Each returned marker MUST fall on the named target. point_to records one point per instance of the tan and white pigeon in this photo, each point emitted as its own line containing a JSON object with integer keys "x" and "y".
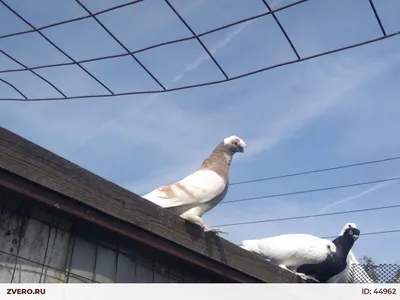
{"x": 202, "y": 190}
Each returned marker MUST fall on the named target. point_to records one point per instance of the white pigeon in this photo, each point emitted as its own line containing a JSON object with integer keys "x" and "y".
{"x": 290, "y": 251}
{"x": 202, "y": 190}
{"x": 354, "y": 272}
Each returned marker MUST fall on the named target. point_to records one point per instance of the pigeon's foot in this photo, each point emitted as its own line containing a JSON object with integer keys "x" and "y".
{"x": 193, "y": 219}
{"x": 305, "y": 277}
{"x": 197, "y": 220}
{"x": 301, "y": 275}
{"x": 284, "y": 267}
{"x": 215, "y": 230}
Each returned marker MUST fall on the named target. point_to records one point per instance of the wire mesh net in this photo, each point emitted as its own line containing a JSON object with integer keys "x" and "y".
{"x": 224, "y": 75}
{"x": 374, "y": 273}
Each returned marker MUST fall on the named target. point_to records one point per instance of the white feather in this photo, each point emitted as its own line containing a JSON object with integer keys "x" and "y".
{"x": 204, "y": 186}
{"x": 291, "y": 250}
{"x": 229, "y": 140}
{"x": 353, "y": 272}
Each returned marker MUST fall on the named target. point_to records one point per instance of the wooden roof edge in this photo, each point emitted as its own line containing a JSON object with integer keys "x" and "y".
{"x": 50, "y": 179}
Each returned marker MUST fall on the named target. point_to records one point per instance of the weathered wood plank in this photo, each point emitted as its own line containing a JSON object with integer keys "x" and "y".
{"x": 23, "y": 158}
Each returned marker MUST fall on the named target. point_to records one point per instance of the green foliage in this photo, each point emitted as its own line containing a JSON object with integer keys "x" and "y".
{"x": 370, "y": 267}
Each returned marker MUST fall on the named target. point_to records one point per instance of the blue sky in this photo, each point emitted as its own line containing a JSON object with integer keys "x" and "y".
{"x": 329, "y": 111}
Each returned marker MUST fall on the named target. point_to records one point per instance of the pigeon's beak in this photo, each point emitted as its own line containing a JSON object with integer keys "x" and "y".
{"x": 241, "y": 147}
{"x": 356, "y": 233}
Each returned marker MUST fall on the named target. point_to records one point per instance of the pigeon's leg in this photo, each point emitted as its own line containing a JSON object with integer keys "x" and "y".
{"x": 194, "y": 219}
{"x": 197, "y": 220}
{"x": 284, "y": 267}
{"x": 302, "y": 275}
{"x": 305, "y": 277}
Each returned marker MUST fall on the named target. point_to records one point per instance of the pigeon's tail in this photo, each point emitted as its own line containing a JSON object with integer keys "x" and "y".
{"x": 250, "y": 245}
{"x": 242, "y": 246}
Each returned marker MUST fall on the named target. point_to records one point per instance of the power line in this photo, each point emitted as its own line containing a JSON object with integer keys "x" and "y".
{"x": 317, "y": 170}
{"x": 367, "y": 233}
{"x": 310, "y": 216}
{"x": 311, "y": 191}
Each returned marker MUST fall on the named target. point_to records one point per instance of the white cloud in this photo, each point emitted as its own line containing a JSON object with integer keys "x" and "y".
{"x": 359, "y": 195}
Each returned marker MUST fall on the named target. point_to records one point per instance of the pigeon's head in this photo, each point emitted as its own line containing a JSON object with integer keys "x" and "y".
{"x": 331, "y": 247}
{"x": 352, "y": 231}
{"x": 234, "y": 144}
{"x": 347, "y": 226}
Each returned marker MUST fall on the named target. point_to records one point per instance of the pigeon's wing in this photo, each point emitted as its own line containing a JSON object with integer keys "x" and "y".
{"x": 199, "y": 187}
{"x": 287, "y": 249}
{"x": 273, "y": 249}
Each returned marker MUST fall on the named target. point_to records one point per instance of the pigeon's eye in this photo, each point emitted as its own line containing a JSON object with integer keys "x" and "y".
{"x": 329, "y": 246}
{"x": 351, "y": 232}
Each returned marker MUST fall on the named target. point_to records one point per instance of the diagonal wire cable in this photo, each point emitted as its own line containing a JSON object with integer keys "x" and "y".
{"x": 14, "y": 88}
{"x": 197, "y": 38}
{"x": 55, "y": 46}
{"x": 309, "y": 216}
{"x": 121, "y": 44}
{"x": 371, "y": 2}
{"x": 33, "y": 72}
{"x": 69, "y": 20}
{"x": 216, "y": 81}
{"x": 318, "y": 170}
{"x": 148, "y": 47}
{"x": 282, "y": 29}
{"x": 367, "y": 233}
{"x": 311, "y": 190}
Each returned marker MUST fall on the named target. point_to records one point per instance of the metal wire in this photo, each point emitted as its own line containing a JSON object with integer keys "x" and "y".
{"x": 56, "y": 47}
{"x": 317, "y": 171}
{"x": 371, "y": 2}
{"x": 375, "y": 273}
{"x": 343, "y": 186}
{"x": 309, "y": 216}
{"x": 367, "y": 233}
{"x": 110, "y": 93}
{"x": 196, "y": 37}
{"x": 14, "y": 88}
{"x": 120, "y": 43}
{"x": 33, "y": 72}
{"x": 282, "y": 29}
